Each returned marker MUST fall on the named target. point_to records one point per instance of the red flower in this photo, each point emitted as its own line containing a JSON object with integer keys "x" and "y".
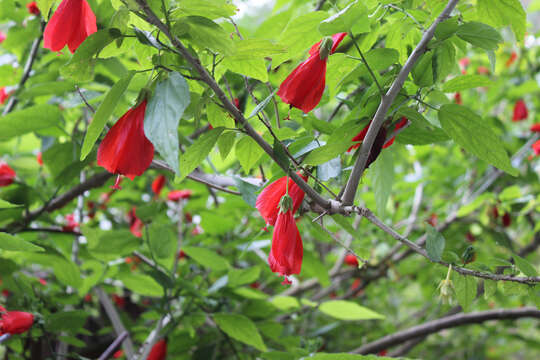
{"x": 7, "y": 174}
{"x": 125, "y": 149}
{"x": 39, "y": 158}
{"x": 72, "y": 22}
{"x": 71, "y": 225}
{"x": 255, "y": 285}
{"x": 287, "y": 250}
{"x": 482, "y": 70}
{"x": 3, "y": 94}
{"x": 176, "y": 195}
{"x": 119, "y": 300}
{"x": 303, "y": 88}
{"x": 470, "y": 237}
{"x": 536, "y": 147}
{"x": 382, "y": 353}
{"x": 351, "y": 260}
{"x": 506, "y": 220}
{"x": 197, "y": 230}
{"x": 236, "y": 103}
{"x": 433, "y": 220}
{"x": 33, "y": 8}
{"x": 535, "y": 127}
{"x": 15, "y": 322}
{"x": 135, "y": 224}
{"x": 399, "y": 125}
{"x": 359, "y": 137}
{"x": 495, "y": 212}
{"x": 181, "y": 255}
{"x": 88, "y": 297}
{"x": 520, "y": 111}
{"x": 3, "y": 37}
{"x": 463, "y": 63}
{"x": 159, "y": 351}
{"x": 512, "y": 59}
{"x": 457, "y": 98}
{"x": 118, "y": 354}
{"x": 157, "y": 184}
{"x": 268, "y": 200}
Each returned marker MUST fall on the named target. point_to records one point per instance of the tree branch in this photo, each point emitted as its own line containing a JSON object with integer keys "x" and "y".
{"x": 434, "y": 326}
{"x": 386, "y": 102}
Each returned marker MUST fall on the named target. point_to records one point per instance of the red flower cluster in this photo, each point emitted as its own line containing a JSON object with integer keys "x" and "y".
{"x": 15, "y": 322}
{"x": 7, "y": 174}
{"x": 72, "y": 22}
{"x": 125, "y": 149}
{"x": 520, "y": 111}
{"x": 33, "y": 8}
{"x": 177, "y": 195}
{"x": 277, "y": 207}
{"x": 304, "y": 87}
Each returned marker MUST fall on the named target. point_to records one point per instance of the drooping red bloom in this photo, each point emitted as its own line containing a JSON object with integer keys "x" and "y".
{"x": 506, "y": 220}
{"x": 457, "y": 98}
{"x": 181, "y": 255}
{"x": 71, "y": 225}
{"x": 15, "y": 322}
{"x": 135, "y": 224}
{"x": 285, "y": 257}
{"x": 268, "y": 200}
{"x": 119, "y": 301}
{"x": 482, "y": 70}
{"x": 39, "y": 158}
{"x": 158, "y": 184}
{"x": 42, "y": 281}
{"x": 88, "y": 297}
{"x": 236, "y": 103}
{"x": 535, "y": 127}
{"x": 159, "y": 350}
{"x": 304, "y": 86}
{"x": 33, "y": 8}
{"x": 3, "y": 94}
{"x": 382, "y": 353}
{"x": 72, "y": 22}
{"x": 520, "y": 111}
{"x": 536, "y": 147}
{"x": 433, "y": 220}
{"x": 176, "y": 195}
{"x": 399, "y": 125}
{"x": 377, "y": 146}
{"x": 351, "y": 260}
{"x": 125, "y": 149}
{"x": 511, "y": 59}
{"x": 359, "y": 138}
{"x": 3, "y": 37}
{"x": 7, "y": 174}
{"x": 118, "y": 354}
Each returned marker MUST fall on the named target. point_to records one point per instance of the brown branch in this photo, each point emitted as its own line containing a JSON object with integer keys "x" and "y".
{"x": 435, "y": 326}
{"x": 386, "y": 102}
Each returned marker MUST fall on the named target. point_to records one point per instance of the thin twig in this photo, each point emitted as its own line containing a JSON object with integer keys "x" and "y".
{"x": 113, "y": 346}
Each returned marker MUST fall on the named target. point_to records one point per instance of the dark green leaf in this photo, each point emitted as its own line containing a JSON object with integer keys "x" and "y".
{"x": 198, "y": 151}
{"x": 262, "y": 104}
{"x": 465, "y": 290}
{"x": 422, "y": 72}
{"x": 446, "y": 28}
{"x": 240, "y": 328}
{"x": 70, "y": 321}
{"x": 30, "y": 119}
{"x": 480, "y": 35}
{"x": 435, "y": 243}
{"x": 525, "y": 266}
{"x": 162, "y": 116}
{"x": 14, "y": 243}
{"x": 355, "y": 14}
{"x": 161, "y": 240}
{"x": 248, "y": 191}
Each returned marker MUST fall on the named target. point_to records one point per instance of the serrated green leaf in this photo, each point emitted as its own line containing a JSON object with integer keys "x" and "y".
{"x": 217, "y": 117}
{"x": 248, "y": 152}
{"x": 465, "y": 287}
{"x": 468, "y": 130}
{"x": 464, "y": 82}
{"x": 501, "y": 13}
{"x": 326, "y": 153}
{"x": 435, "y": 243}
{"x": 480, "y": 35}
{"x": 225, "y": 143}
{"x": 103, "y": 113}
{"x": 163, "y": 113}
{"x": 422, "y": 72}
{"x": 525, "y": 266}
{"x": 240, "y": 328}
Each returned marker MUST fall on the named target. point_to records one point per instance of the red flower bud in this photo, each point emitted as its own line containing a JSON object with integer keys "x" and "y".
{"x": 535, "y": 127}
{"x": 135, "y": 224}
{"x": 15, "y": 322}
{"x": 118, "y": 354}
{"x": 2, "y": 38}
{"x": 33, "y": 8}
{"x": 511, "y": 59}
{"x": 159, "y": 351}
{"x": 72, "y": 22}
{"x": 506, "y": 220}
{"x": 158, "y": 184}
{"x": 457, "y": 98}
{"x": 520, "y": 111}
{"x": 536, "y": 147}
{"x": 177, "y": 195}
{"x": 351, "y": 260}
{"x": 433, "y": 220}
{"x": 7, "y": 174}
{"x": 39, "y": 158}
{"x": 287, "y": 249}
{"x": 3, "y": 94}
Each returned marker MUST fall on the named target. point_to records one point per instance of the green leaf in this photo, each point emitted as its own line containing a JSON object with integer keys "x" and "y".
{"x": 240, "y": 328}
{"x": 468, "y": 130}
{"x": 435, "y": 243}
{"x": 198, "y": 151}
{"x": 14, "y": 243}
{"x": 113, "y": 244}
{"x": 249, "y": 58}
{"x": 44, "y": 6}
{"x": 48, "y": 88}
{"x": 444, "y": 59}
{"x": 7, "y": 205}
{"x": 161, "y": 240}
{"x": 262, "y": 104}
{"x": 67, "y": 272}
{"x": 480, "y": 35}
{"x": 27, "y": 120}
{"x": 501, "y": 13}
{"x": 345, "y": 356}
{"x": 225, "y": 143}
{"x": 247, "y": 190}
{"x": 420, "y": 131}
{"x": 207, "y": 258}
{"x": 81, "y": 66}
{"x": 464, "y": 82}
{"x": 525, "y": 266}
{"x": 348, "y": 310}
{"x": 313, "y": 267}
{"x": 382, "y": 178}
{"x": 422, "y": 72}
{"x": 217, "y": 117}
{"x": 103, "y": 113}
{"x": 446, "y": 28}
{"x": 490, "y": 287}
{"x": 326, "y": 153}
{"x": 162, "y": 116}
{"x": 465, "y": 287}
{"x": 142, "y": 284}
{"x": 206, "y": 34}
{"x": 67, "y": 320}
{"x": 248, "y": 152}
{"x": 239, "y": 277}
{"x": 353, "y": 15}
{"x": 211, "y": 9}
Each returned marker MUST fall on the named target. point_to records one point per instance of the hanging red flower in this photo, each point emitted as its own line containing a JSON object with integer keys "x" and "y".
{"x": 39, "y": 158}
{"x": 536, "y": 147}
{"x": 351, "y": 260}
{"x": 399, "y": 125}
{"x": 4, "y": 95}
{"x": 15, "y": 322}
{"x": 158, "y": 184}
{"x": 176, "y": 195}
{"x": 285, "y": 257}
{"x": 159, "y": 351}
{"x": 125, "y": 149}
{"x": 506, "y": 220}
{"x": 3, "y": 37}
{"x": 72, "y": 22}
{"x": 359, "y": 138}
{"x": 135, "y": 224}
{"x": 535, "y": 127}
{"x": 520, "y": 111}
{"x": 7, "y": 174}
{"x": 304, "y": 87}
{"x": 457, "y": 98}
{"x": 511, "y": 59}
{"x": 71, "y": 225}
{"x": 33, "y": 8}
{"x": 268, "y": 200}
